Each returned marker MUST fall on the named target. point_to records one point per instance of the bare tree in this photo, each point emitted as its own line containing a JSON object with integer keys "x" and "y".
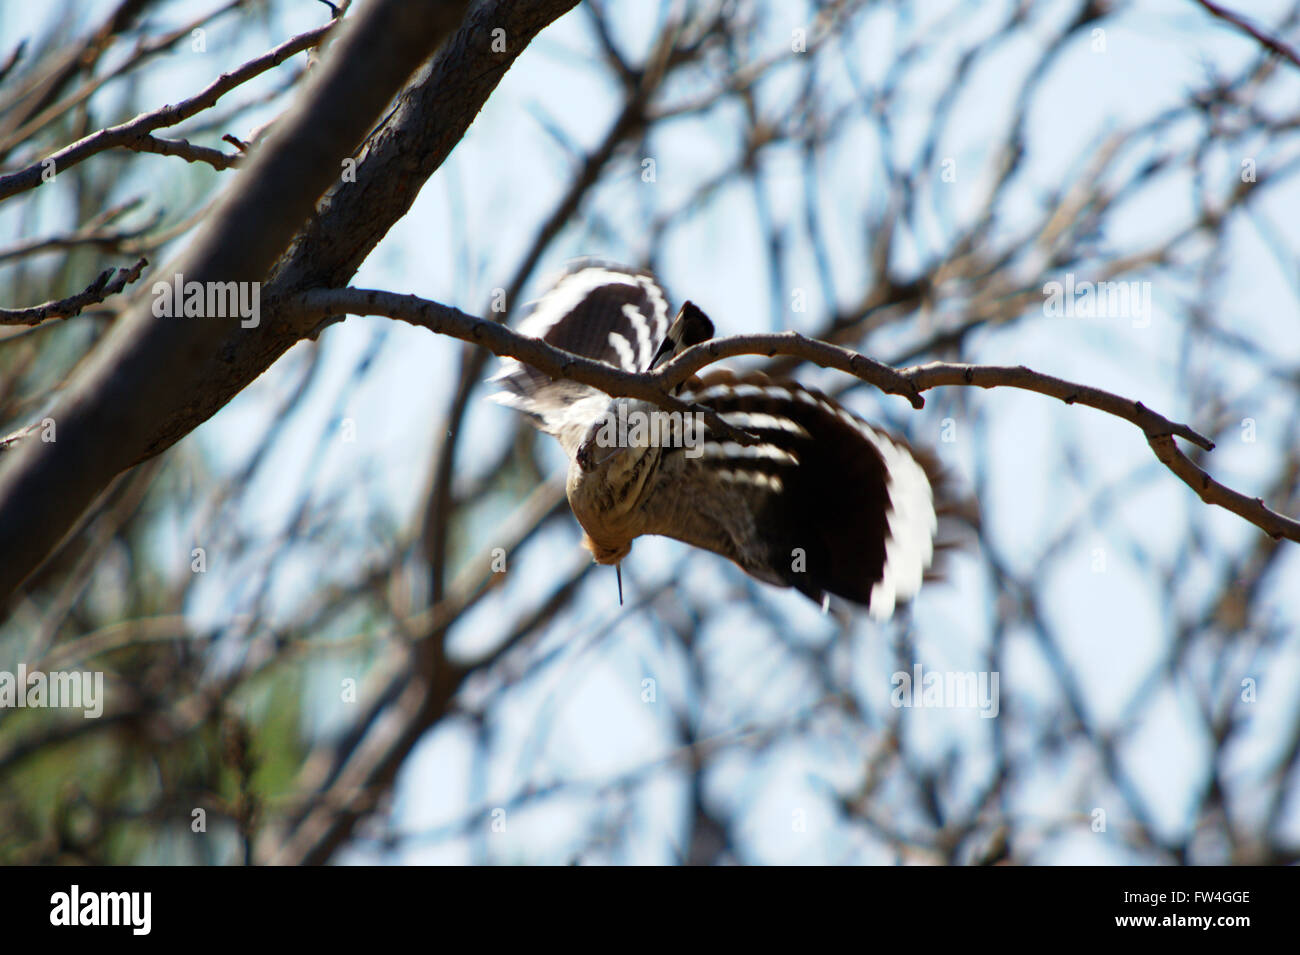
{"x": 285, "y": 647}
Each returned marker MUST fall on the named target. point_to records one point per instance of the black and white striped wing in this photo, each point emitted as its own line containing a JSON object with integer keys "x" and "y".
{"x": 826, "y": 503}
{"x": 605, "y": 312}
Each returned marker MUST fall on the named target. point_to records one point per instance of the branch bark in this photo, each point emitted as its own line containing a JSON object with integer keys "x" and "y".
{"x": 145, "y": 375}
{"x": 109, "y": 282}
{"x": 136, "y": 134}
{"x": 908, "y": 382}
{"x": 1245, "y": 26}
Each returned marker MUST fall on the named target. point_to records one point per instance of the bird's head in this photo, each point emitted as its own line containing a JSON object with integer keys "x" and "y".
{"x": 611, "y": 473}
{"x": 616, "y": 444}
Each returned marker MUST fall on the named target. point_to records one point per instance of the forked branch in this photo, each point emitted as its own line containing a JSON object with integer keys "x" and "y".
{"x": 324, "y": 305}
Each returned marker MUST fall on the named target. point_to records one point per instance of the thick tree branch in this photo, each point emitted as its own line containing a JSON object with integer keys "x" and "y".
{"x": 192, "y": 369}
{"x": 148, "y": 368}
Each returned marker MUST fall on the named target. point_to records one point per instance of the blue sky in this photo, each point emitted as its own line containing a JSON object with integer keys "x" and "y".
{"x": 582, "y": 718}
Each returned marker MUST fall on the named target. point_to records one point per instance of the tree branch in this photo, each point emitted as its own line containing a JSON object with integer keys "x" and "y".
{"x": 909, "y": 382}
{"x": 135, "y": 134}
{"x": 332, "y": 304}
{"x": 95, "y": 292}
{"x": 145, "y": 371}
{"x": 94, "y": 233}
{"x": 185, "y": 150}
{"x": 1241, "y": 23}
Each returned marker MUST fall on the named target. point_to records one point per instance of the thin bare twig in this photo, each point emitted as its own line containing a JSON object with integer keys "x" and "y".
{"x": 184, "y": 149}
{"x": 93, "y": 233}
{"x": 134, "y": 133}
{"x": 1241, "y": 23}
{"x": 104, "y": 286}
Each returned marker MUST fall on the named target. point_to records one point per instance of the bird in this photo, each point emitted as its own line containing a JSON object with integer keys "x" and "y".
{"x": 823, "y": 501}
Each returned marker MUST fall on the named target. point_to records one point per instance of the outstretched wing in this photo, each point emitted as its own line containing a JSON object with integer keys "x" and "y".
{"x": 826, "y": 503}
{"x": 606, "y": 312}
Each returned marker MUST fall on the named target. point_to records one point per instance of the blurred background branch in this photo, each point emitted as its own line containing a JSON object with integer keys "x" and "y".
{"x": 347, "y": 617}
